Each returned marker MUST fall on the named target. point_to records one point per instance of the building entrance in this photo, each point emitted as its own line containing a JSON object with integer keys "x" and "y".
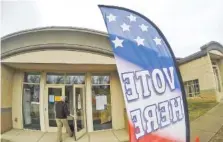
{"x": 75, "y": 99}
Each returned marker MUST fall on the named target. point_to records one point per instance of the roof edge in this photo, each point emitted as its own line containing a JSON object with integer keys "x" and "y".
{"x": 204, "y": 47}
{"x": 203, "y": 51}
{"x": 54, "y": 28}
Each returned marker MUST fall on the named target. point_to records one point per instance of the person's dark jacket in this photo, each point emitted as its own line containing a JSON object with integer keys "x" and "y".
{"x": 61, "y": 110}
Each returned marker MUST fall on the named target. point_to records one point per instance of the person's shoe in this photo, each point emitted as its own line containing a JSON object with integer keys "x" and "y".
{"x": 72, "y": 135}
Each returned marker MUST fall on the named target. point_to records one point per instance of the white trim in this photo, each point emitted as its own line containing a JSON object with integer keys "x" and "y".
{"x": 48, "y": 128}
{"x": 31, "y": 83}
{"x": 101, "y": 84}
{"x": 55, "y": 28}
{"x": 79, "y": 134}
{"x": 89, "y": 103}
{"x": 42, "y": 102}
{"x": 21, "y": 96}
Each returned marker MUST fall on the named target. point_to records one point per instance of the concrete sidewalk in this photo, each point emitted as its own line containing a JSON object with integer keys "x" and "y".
{"x": 206, "y": 126}
{"x": 38, "y": 136}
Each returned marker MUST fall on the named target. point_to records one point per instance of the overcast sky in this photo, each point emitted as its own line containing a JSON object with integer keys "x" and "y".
{"x": 187, "y": 24}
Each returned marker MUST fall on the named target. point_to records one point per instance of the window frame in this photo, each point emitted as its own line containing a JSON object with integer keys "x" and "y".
{"x": 74, "y": 74}
{"x": 92, "y": 85}
{"x": 102, "y": 74}
{"x": 194, "y": 86}
{"x": 65, "y": 77}
{"x": 23, "y": 81}
{"x": 28, "y": 83}
{"x": 32, "y": 103}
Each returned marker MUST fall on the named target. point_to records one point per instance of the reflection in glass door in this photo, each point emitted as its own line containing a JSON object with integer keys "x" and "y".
{"x": 79, "y": 111}
{"x": 30, "y": 100}
{"x": 31, "y": 106}
{"x": 70, "y": 104}
{"x": 53, "y": 94}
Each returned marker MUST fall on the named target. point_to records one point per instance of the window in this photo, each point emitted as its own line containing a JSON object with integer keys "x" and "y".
{"x": 62, "y": 78}
{"x": 192, "y": 88}
{"x": 31, "y": 78}
{"x": 75, "y": 79}
{"x": 103, "y": 80}
{"x": 101, "y": 102}
{"x": 31, "y": 89}
{"x": 55, "y": 78}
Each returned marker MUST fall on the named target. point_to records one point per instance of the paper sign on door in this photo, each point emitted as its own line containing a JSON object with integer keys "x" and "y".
{"x": 51, "y": 98}
{"x": 101, "y": 101}
{"x": 99, "y": 104}
{"x": 57, "y": 98}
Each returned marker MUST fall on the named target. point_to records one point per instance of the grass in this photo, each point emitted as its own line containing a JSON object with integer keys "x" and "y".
{"x": 197, "y": 107}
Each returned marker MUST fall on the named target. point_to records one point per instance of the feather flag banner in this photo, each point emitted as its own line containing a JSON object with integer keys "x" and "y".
{"x": 151, "y": 82}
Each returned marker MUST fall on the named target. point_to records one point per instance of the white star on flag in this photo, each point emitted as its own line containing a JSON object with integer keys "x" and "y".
{"x": 118, "y": 42}
{"x": 139, "y": 41}
{"x": 132, "y": 18}
{"x": 125, "y": 27}
{"x": 144, "y": 28}
{"x": 111, "y": 17}
{"x": 157, "y": 40}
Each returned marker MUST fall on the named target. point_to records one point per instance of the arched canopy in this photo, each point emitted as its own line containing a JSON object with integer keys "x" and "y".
{"x": 58, "y": 48}
{"x": 56, "y": 38}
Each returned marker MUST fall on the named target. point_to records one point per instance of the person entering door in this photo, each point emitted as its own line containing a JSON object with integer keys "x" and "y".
{"x": 61, "y": 118}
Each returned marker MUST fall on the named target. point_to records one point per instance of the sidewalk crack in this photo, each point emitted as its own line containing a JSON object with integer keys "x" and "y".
{"x": 41, "y": 137}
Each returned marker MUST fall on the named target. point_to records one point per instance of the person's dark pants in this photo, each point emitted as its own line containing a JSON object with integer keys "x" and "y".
{"x": 60, "y": 124}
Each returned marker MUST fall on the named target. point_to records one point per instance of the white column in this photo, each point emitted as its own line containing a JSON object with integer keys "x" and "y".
{"x": 17, "y": 92}
{"x": 117, "y": 103}
{"x": 89, "y": 103}
{"x": 42, "y": 101}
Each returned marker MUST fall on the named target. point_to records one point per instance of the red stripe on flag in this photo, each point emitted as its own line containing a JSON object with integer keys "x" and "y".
{"x": 147, "y": 138}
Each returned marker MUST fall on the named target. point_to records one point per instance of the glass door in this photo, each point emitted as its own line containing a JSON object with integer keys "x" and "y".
{"x": 79, "y": 111}
{"x": 53, "y": 95}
